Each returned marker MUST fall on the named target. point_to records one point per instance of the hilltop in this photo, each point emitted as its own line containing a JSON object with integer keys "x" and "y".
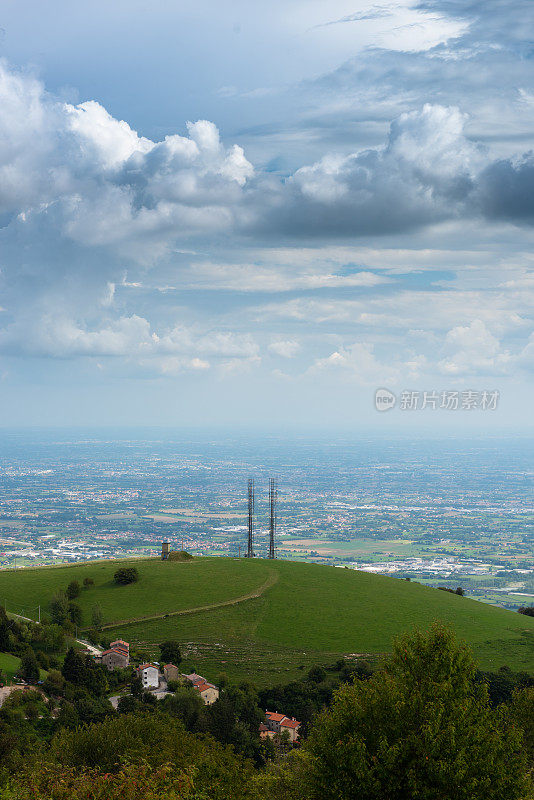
{"x": 266, "y": 619}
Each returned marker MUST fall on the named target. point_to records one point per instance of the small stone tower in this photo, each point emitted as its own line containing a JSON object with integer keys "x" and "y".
{"x": 164, "y": 551}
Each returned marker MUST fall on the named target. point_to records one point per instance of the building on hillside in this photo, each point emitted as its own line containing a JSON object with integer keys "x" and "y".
{"x": 120, "y": 643}
{"x": 172, "y": 673}
{"x": 117, "y": 656}
{"x": 192, "y": 677}
{"x": 208, "y": 691}
{"x": 149, "y": 675}
{"x": 291, "y": 726}
{"x": 265, "y": 733}
{"x": 115, "y": 659}
{"x": 278, "y": 723}
{"x": 273, "y": 720}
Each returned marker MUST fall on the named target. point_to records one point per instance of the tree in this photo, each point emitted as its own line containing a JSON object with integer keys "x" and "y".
{"x": 170, "y": 653}
{"x": 127, "y": 703}
{"x": 42, "y": 659}
{"x": 73, "y": 590}
{"x": 187, "y": 705}
{"x": 522, "y": 713}
{"x": 156, "y": 740}
{"x": 59, "y": 608}
{"x": 29, "y": 668}
{"x": 317, "y": 674}
{"x": 74, "y": 669}
{"x": 5, "y": 630}
{"x": 95, "y": 678}
{"x": 421, "y": 728}
{"x": 53, "y": 638}
{"x": 54, "y": 683}
{"x": 527, "y": 610}
{"x": 126, "y": 575}
{"x": 97, "y": 617}
{"x": 75, "y": 613}
{"x": 222, "y": 680}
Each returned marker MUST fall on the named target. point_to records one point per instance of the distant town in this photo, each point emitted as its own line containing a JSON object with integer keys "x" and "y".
{"x": 353, "y": 507}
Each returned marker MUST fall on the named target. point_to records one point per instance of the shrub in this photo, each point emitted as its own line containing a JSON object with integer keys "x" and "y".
{"x": 126, "y": 575}
{"x": 54, "y": 683}
{"x": 87, "y": 582}
{"x": 132, "y": 782}
{"x": 317, "y": 674}
{"x": 131, "y": 738}
{"x": 179, "y": 555}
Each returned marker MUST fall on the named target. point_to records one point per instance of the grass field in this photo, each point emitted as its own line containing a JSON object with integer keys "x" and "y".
{"x": 306, "y": 614}
{"x": 9, "y": 665}
{"x": 164, "y": 586}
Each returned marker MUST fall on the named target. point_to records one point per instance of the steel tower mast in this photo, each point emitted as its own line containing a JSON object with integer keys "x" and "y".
{"x": 250, "y": 548}
{"x": 273, "y": 497}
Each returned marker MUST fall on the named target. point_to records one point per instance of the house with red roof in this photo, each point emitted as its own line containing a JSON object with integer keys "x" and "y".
{"x": 117, "y": 656}
{"x": 149, "y": 675}
{"x": 278, "y": 723}
{"x": 208, "y": 691}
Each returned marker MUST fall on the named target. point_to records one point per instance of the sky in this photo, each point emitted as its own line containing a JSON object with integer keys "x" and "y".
{"x": 257, "y": 214}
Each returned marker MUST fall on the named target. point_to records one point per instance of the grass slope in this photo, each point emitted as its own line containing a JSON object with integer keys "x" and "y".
{"x": 164, "y": 586}
{"x": 9, "y": 665}
{"x": 311, "y": 614}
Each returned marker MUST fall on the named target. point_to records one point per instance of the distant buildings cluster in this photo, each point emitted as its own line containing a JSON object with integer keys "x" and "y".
{"x": 154, "y": 678}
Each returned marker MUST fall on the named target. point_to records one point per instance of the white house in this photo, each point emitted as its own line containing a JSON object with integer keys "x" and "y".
{"x": 149, "y": 675}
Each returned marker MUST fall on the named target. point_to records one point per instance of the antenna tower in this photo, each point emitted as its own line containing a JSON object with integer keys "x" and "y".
{"x": 273, "y": 497}
{"x": 250, "y": 548}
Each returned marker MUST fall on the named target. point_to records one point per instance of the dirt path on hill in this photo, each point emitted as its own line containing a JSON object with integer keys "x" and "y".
{"x": 271, "y": 580}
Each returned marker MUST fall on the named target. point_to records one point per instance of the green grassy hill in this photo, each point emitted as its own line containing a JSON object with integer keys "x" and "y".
{"x": 9, "y": 665}
{"x": 301, "y": 614}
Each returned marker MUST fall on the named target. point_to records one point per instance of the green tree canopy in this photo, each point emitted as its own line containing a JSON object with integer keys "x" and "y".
{"x": 75, "y": 613}
{"x": 74, "y": 669}
{"x": 97, "y": 617}
{"x": 59, "y": 608}
{"x": 29, "y": 668}
{"x": 73, "y": 590}
{"x": 423, "y": 729}
{"x": 522, "y": 712}
{"x": 170, "y": 652}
